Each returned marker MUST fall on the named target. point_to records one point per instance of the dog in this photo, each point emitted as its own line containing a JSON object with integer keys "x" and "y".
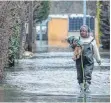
{"x": 77, "y": 53}
{"x": 76, "y": 45}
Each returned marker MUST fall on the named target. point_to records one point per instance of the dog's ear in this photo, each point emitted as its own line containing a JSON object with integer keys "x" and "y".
{"x": 70, "y": 40}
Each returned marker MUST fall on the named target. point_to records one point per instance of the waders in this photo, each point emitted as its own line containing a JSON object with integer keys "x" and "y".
{"x": 85, "y": 66}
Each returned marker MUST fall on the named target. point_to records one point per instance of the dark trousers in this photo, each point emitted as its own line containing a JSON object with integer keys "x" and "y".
{"x": 88, "y": 64}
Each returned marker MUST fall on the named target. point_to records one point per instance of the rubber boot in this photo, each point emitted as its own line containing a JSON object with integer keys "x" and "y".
{"x": 87, "y": 90}
{"x": 81, "y": 90}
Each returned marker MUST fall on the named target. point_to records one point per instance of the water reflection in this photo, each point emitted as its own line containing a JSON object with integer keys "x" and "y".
{"x": 45, "y": 46}
{"x": 51, "y": 79}
{"x": 42, "y": 46}
{"x": 1, "y": 94}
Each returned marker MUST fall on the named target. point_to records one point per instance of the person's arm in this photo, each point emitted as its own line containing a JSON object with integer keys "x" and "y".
{"x": 96, "y": 52}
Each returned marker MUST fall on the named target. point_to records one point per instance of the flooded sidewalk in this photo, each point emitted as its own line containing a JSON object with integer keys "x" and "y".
{"x": 51, "y": 77}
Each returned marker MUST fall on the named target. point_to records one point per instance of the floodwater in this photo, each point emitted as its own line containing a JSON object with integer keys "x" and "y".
{"x": 51, "y": 77}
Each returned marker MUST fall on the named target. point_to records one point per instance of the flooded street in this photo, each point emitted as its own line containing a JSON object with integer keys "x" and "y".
{"x": 41, "y": 44}
{"x": 51, "y": 77}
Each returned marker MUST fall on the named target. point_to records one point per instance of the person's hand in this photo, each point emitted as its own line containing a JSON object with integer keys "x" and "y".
{"x": 99, "y": 62}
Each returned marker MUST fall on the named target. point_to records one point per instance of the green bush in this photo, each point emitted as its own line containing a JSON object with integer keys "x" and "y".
{"x": 14, "y": 45}
{"x": 98, "y": 17}
{"x": 104, "y": 23}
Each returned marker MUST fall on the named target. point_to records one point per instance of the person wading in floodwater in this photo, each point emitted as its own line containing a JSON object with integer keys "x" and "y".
{"x": 85, "y": 61}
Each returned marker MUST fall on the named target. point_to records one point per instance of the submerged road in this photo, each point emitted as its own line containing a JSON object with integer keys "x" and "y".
{"x": 51, "y": 77}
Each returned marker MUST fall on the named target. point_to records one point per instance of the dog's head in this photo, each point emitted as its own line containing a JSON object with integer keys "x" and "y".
{"x": 73, "y": 41}
{"x": 70, "y": 39}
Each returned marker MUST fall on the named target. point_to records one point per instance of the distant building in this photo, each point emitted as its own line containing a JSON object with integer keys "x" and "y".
{"x": 61, "y": 26}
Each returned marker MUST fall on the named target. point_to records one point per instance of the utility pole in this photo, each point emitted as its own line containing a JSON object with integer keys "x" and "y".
{"x": 84, "y": 11}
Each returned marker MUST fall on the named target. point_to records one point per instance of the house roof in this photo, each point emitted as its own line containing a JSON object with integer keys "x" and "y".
{"x": 67, "y": 15}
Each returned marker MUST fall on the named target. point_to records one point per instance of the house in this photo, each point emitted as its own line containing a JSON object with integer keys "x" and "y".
{"x": 61, "y": 26}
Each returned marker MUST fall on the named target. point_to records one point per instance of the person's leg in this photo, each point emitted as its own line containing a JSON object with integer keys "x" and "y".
{"x": 79, "y": 71}
{"x": 88, "y": 65}
{"x": 80, "y": 75}
{"x": 88, "y": 75}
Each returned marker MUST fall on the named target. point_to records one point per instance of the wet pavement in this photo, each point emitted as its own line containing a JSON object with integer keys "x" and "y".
{"x": 51, "y": 77}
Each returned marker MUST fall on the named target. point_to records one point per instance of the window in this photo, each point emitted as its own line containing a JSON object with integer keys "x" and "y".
{"x": 92, "y": 23}
{"x": 76, "y": 22}
{"x": 71, "y": 24}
